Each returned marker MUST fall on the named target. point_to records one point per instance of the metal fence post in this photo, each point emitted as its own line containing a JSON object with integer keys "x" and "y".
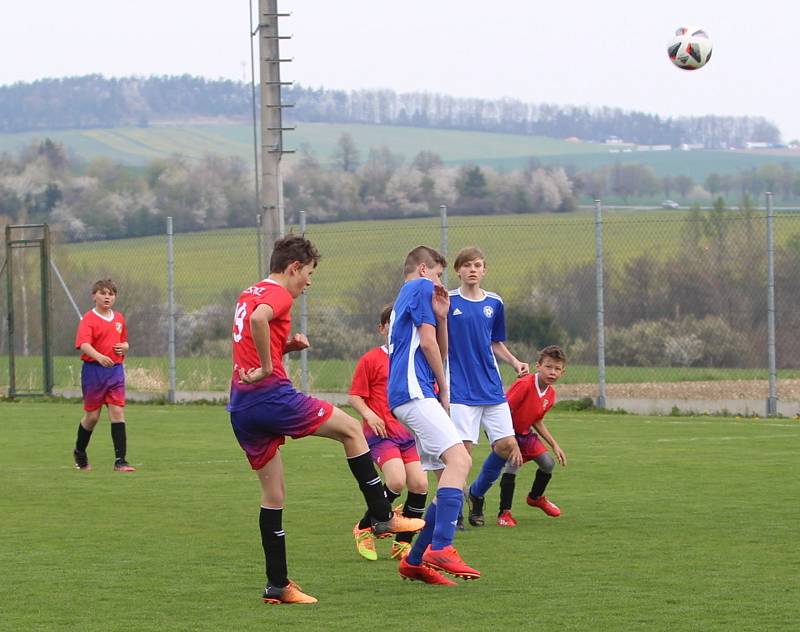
{"x": 601, "y": 339}
{"x": 259, "y": 246}
{"x": 772, "y": 400}
{"x": 171, "y": 313}
{"x": 443, "y": 238}
{"x": 303, "y": 321}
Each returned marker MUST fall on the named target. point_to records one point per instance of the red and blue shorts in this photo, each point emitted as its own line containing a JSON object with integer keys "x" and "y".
{"x": 531, "y": 446}
{"x": 383, "y": 450}
{"x": 102, "y": 385}
{"x": 278, "y": 413}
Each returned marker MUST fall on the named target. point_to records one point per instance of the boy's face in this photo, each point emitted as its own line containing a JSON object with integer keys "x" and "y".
{"x": 299, "y": 277}
{"x": 433, "y": 273}
{"x": 383, "y": 328}
{"x": 550, "y": 370}
{"x": 472, "y": 272}
{"x": 104, "y": 299}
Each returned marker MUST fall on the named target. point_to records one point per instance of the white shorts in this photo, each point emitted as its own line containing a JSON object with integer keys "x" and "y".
{"x": 433, "y": 430}
{"x": 496, "y": 419}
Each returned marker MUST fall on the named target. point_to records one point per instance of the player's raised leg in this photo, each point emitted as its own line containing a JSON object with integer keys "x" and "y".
{"x": 343, "y": 428}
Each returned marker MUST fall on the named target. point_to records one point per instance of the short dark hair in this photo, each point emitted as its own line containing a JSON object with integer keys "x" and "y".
{"x": 468, "y": 254}
{"x": 105, "y": 284}
{"x": 423, "y": 254}
{"x": 386, "y": 314}
{"x": 290, "y": 249}
{"x": 553, "y": 352}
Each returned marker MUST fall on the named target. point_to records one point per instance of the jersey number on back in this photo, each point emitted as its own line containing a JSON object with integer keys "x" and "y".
{"x": 238, "y": 321}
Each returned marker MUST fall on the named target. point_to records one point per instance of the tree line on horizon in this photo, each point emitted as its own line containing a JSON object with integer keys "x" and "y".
{"x": 94, "y": 101}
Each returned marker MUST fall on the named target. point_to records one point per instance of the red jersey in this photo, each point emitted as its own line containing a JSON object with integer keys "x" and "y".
{"x": 370, "y": 380}
{"x": 102, "y": 332}
{"x": 528, "y": 403}
{"x": 245, "y": 355}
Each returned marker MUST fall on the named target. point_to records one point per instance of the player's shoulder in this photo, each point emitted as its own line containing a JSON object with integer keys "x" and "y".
{"x": 494, "y": 296}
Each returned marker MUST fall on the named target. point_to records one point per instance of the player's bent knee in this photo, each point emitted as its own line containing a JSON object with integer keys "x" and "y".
{"x": 504, "y": 446}
{"x": 546, "y": 462}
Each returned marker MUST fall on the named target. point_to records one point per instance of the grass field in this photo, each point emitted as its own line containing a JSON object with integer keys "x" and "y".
{"x": 668, "y": 524}
{"x": 138, "y": 145}
{"x": 213, "y": 374}
{"x": 517, "y": 246}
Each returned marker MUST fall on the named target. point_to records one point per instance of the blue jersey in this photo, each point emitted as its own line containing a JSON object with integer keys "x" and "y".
{"x": 472, "y": 327}
{"x": 410, "y": 375}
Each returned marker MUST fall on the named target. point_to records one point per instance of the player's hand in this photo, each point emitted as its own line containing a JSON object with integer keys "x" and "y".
{"x": 105, "y": 360}
{"x": 560, "y": 456}
{"x": 253, "y": 375}
{"x": 515, "y": 458}
{"x": 120, "y": 348}
{"x": 377, "y": 425}
{"x": 444, "y": 400}
{"x": 522, "y": 369}
{"x": 441, "y": 301}
{"x": 297, "y": 342}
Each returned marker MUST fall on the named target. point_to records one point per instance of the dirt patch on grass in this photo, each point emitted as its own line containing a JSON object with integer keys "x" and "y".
{"x": 722, "y": 389}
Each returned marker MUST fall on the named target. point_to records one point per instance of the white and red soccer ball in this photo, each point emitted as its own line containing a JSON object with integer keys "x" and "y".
{"x": 690, "y": 48}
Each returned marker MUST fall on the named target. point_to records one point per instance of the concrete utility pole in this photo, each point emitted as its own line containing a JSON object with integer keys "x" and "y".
{"x": 271, "y": 120}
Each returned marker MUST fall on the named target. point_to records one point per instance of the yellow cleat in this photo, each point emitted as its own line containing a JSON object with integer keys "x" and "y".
{"x": 400, "y": 550}
{"x": 365, "y": 543}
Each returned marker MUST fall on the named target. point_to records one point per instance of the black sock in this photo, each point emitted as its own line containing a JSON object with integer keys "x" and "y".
{"x": 413, "y": 508}
{"x": 120, "y": 441}
{"x": 83, "y": 438}
{"x": 370, "y": 485}
{"x": 274, "y": 543}
{"x": 539, "y": 483}
{"x": 507, "y": 483}
{"x": 391, "y": 496}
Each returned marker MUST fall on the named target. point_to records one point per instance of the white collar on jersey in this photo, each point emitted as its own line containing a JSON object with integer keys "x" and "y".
{"x": 385, "y": 349}
{"x": 472, "y": 300}
{"x": 108, "y": 319}
{"x": 536, "y": 381}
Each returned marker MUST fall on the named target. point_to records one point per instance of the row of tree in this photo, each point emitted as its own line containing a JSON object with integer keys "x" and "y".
{"x": 95, "y": 101}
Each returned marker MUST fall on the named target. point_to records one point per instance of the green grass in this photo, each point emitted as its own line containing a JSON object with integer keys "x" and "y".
{"x": 213, "y": 374}
{"x": 138, "y": 145}
{"x": 668, "y": 524}
{"x": 516, "y": 246}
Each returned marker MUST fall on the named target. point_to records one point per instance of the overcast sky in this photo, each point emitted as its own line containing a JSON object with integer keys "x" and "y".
{"x": 581, "y": 52}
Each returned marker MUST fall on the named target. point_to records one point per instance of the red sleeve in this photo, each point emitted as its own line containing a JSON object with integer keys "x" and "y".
{"x": 360, "y": 383}
{"x": 517, "y": 396}
{"x": 84, "y": 333}
{"x": 124, "y": 334}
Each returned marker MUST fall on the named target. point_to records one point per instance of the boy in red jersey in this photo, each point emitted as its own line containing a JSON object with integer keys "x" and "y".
{"x": 530, "y": 397}
{"x": 391, "y": 444}
{"x": 103, "y": 340}
{"x": 265, "y": 408}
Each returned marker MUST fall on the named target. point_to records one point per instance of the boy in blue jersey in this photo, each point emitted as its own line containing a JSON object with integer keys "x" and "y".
{"x": 476, "y": 339}
{"x": 417, "y": 351}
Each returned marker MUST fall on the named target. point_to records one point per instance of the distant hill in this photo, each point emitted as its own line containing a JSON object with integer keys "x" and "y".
{"x": 137, "y": 146}
{"x": 93, "y": 101}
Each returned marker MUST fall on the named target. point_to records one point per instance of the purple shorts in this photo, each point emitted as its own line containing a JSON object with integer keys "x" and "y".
{"x": 102, "y": 385}
{"x": 530, "y": 446}
{"x": 278, "y": 413}
{"x": 383, "y": 450}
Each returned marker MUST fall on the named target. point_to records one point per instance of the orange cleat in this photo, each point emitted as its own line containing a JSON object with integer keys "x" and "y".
{"x": 290, "y": 593}
{"x": 423, "y": 573}
{"x": 551, "y": 509}
{"x": 81, "y": 461}
{"x": 449, "y": 561}
{"x": 123, "y": 466}
{"x": 505, "y": 519}
{"x": 397, "y": 523}
{"x": 400, "y": 550}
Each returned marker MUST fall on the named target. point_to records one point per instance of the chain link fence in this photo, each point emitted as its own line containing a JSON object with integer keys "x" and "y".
{"x": 684, "y": 302}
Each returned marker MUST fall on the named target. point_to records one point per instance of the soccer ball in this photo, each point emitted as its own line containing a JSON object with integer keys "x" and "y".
{"x": 690, "y": 49}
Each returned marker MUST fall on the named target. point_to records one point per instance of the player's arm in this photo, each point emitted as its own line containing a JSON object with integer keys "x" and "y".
{"x": 259, "y": 330}
{"x": 297, "y": 342}
{"x": 544, "y": 433}
{"x": 93, "y": 353}
{"x": 370, "y": 416}
{"x": 430, "y": 348}
{"x": 441, "y": 305}
{"x": 501, "y": 351}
